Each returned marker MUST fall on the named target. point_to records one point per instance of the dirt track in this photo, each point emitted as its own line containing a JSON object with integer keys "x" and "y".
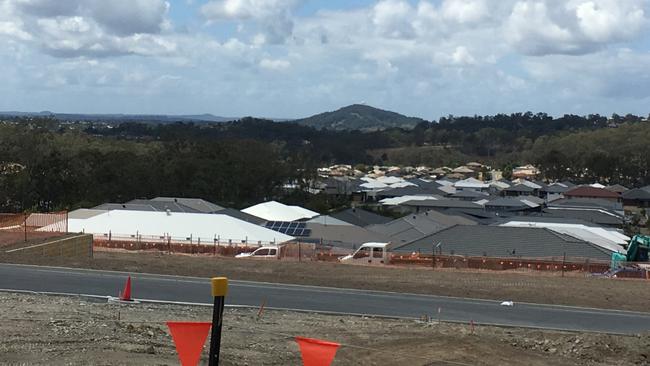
{"x": 49, "y": 330}
{"x": 540, "y": 287}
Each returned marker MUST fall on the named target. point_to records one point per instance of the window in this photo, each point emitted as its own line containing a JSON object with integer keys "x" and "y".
{"x": 272, "y": 252}
{"x": 377, "y": 253}
{"x": 262, "y": 252}
{"x": 362, "y": 253}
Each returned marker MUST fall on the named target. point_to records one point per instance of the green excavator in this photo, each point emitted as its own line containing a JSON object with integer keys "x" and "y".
{"x": 637, "y": 251}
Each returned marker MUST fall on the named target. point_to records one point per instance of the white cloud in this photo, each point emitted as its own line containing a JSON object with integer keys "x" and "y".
{"x": 607, "y": 20}
{"x": 275, "y": 65}
{"x": 471, "y": 56}
{"x": 461, "y": 56}
{"x": 14, "y": 30}
{"x": 126, "y": 17}
{"x": 94, "y": 28}
{"x": 392, "y": 18}
{"x": 464, "y": 11}
{"x": 274, "y": 16}
{"x": 577, "y": 27}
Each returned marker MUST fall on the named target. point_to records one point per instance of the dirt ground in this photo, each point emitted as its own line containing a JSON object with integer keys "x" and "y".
{"x": 52, "y": 330}
{"x": 576, "y": 289}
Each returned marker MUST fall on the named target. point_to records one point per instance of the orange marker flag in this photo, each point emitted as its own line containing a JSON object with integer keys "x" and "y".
{"x": 316, "y": 352}
{"x": 189, "y": 338}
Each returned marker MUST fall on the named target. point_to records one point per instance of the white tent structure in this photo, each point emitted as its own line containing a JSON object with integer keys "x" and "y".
{"x": 276, "y": 211}
{"x": 206, "y": 227}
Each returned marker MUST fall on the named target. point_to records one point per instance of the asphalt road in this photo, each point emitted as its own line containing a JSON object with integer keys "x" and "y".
{"x": 324, "y": 299}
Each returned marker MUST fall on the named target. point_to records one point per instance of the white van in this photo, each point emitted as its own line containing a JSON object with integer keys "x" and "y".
{"x": 263, "y": 252}
{"x": 368, "y": 253}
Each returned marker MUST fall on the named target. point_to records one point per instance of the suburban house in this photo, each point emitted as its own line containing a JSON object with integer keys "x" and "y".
{"x": 593, "y": 193}
{"x": 637, "y": 199}
{"x": 503, "y": 241}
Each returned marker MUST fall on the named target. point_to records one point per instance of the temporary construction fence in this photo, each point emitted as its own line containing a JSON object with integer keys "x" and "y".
{"x": 191, "y": 245}
{"x": 557, "y": 264}
{"x": 23, "y": 227}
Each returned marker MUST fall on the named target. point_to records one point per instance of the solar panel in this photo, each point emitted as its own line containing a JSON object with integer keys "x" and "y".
{"x": 289, "y": 228}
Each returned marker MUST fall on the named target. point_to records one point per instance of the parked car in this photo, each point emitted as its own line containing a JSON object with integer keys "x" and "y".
{"x": 263, "y": 252}
{"x": 368, "y": 253}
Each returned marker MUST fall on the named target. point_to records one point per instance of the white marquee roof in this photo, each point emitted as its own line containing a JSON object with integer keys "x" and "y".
{"x": 177, "y": 225}
{"x": 276, "y": 211}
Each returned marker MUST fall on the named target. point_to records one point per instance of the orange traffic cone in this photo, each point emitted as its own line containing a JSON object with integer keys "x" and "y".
{"x": 126, "y": 294}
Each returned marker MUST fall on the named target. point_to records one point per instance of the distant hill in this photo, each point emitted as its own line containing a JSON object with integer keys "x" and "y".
{"x": 151, "y": 118}
{"x": 359, "y": 117}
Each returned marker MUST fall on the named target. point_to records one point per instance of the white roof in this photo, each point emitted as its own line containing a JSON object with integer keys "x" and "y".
{"x": 402, "y": 184}
{"x": 373, "y": 185}
{"x": 276, "y": 211}
{"x": 527, "y": 183}
{"x": 177, "y": 225}
{"x": 605, "y": 238}
{"x": 395, "y": 201}
{"x": 390, "y": 180}
{"x": 443, "y": 182}
{"x": 597, "y": 185}
{"x": 499, "y": 184}
{"x": 471, "y": 183}
{"x": 529, "y": 203}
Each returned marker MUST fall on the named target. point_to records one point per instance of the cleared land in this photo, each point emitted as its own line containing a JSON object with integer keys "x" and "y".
{"x": 575, "y": 289}
{"x": 49, "y": 330}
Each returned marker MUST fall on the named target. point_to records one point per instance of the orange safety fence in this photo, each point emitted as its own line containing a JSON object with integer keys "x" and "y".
{"x": 505, "y": 263}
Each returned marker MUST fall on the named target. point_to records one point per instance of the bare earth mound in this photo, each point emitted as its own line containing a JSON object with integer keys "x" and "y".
{"x": 48, "y": 330}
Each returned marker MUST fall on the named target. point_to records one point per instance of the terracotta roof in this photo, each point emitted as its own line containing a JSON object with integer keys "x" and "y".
{"x": 587, "y": 191}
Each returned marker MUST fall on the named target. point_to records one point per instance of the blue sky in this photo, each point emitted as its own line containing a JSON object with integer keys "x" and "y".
{"x": 294, "y": 58}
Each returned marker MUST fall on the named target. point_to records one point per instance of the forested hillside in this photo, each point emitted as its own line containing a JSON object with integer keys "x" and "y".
{"x": 359, "y": 117}
{"x": 46, "y": 164}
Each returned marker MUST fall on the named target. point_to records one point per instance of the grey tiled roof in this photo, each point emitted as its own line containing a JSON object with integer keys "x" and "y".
{"x": 343, "y": 236}
{"x": 589, "y": 215}
{"x": 507, "y": 202}
{"x": 413, "y": 227}
{"x": 519, "y": 188}
{"x": 639, "y": 194}
{"x": 189, "y": 205}
{"x": 442, "y": 203}
{"x": 410, "y": 191}
{"x": 360, "y": 217}
{"x": 499, "y": 241}
{"x": 197, "y": 204}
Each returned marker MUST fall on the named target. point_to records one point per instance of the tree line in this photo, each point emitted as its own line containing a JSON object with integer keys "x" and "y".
{"x": 47, "y": 164}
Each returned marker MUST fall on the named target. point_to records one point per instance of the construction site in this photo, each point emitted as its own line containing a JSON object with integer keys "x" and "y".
{"x": 396, "y": 304}
{"x": 89, "y": 332}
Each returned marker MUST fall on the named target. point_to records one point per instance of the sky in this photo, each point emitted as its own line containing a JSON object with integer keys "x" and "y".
{"x": 295, "y": 58}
